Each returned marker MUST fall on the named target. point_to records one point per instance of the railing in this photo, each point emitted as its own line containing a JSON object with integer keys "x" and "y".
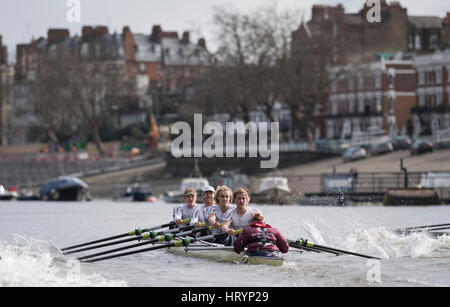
{"x": 34, "y": 173}
{"x": 363, "y": 182}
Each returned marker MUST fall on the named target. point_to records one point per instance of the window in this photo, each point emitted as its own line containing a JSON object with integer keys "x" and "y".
{"x": 421, "y": 77}
{"x": 334, "y": 107}
{"x": 439, "y": 75}
{"x": 361, "y": 105}
{"x": 360, "y": 82}
{"x": 378, "y": 81}
{"x": 379, "y": 103}
{"x": 351, "y": 105}
{"x": 434, "y": 40}
{"x": 351, "y": 84}
{"x": 391, "y": 105}
{"x": 142, "y": 67}
{"x": 438, "y": 99}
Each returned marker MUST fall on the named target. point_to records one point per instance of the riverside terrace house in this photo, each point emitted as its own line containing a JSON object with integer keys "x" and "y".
{"x": 6, "y": 83}
{"x": 160, "y": 62}
{"x": 373, "y": 97}
{"x": 355, "y": 39}
{"x": 166, "y": 64}
{"x": 431, "y": 115}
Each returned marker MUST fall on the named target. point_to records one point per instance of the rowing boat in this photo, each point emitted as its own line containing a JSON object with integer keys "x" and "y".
{"x": 219, "y": 252}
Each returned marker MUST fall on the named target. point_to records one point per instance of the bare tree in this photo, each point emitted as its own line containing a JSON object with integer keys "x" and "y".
{"x": 50, "y": 96}
{"x": 96, "y": 87}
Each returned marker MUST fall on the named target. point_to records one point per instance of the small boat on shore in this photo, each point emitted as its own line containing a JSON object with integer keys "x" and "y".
{"x": 273, "y": 190}
{"x": 64, "y": 189}
{"x": 7, "y": 195}
{"x": 134, "y": 192}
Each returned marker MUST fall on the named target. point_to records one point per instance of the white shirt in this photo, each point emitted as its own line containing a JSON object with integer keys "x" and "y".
{"x": 182, "y": 212}
{"x": 200, "y": 214}
{"x": 238, "y": 222}
{"x": 220, "y": 216}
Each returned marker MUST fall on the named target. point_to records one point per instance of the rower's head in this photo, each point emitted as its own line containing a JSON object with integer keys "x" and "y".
{"x": 208, "y": 195}
{"x": 242, "y": 197}
{"x": 258, "y": 217}
{"x": 224, "y": 195}
{"x": 190, "y": 196}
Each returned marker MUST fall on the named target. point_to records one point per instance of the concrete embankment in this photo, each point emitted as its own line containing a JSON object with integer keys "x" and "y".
{"x": 161, "y": 178}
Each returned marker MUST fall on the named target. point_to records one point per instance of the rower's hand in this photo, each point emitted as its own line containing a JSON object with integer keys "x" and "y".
{"x": 179, "y": 222}
{"x": 197, "y": 224}
{"x": 216, "y": 225}
{"x": 230, "y": 232}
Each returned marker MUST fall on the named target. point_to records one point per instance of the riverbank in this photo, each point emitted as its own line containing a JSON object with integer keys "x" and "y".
{"x": 160, "y": 181}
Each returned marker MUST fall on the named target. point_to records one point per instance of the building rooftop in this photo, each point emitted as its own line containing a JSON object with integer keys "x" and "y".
{"x": 426, "y": 22}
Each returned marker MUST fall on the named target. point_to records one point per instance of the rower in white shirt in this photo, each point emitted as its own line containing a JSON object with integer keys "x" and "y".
{"x": 217, "y": 212}
{"x": 242, "y": 215}
{"x": 200, "y": 212}
{"x": 185, "y": 210}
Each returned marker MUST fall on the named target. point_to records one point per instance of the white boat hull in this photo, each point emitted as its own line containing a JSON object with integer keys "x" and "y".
{"x": 224, "y": 254}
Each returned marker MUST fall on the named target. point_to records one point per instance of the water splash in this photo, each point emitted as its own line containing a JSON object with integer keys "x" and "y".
{"x": 37, "y": 263}
{"x": 388, "y": 244}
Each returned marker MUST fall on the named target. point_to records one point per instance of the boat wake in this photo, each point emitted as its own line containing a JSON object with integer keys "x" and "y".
{"x": 385, "y": 243}
{"x": 37, "y": 263}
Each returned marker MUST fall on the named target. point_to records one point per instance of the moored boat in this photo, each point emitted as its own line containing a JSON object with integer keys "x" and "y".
{"x": 7, "y": 195}
{"x": 135, "y": 192}
{"x": 273, "y": 190}
{"x": 64, "y": 189}
{"x": 194, "y": 183}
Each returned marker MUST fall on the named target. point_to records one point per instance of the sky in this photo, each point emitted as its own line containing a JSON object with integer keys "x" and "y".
{"x": 21, "y": 20}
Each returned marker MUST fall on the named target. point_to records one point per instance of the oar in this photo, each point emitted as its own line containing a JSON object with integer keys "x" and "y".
{"x": 426, "y": 227}
{"x": 145, "y": 235}
{"x": 183, "y": 242}
{"x": 303, "y": 242}
{"x": 311, "y": 249}
{"x": 161, "y": 238}
{"x": 137, "y": 232}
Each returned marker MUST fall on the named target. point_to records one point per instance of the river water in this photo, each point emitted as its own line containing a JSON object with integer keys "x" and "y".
{"x": 31, "y": 234}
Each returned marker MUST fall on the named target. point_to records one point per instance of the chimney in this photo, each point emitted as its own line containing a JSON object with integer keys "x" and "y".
{"x": 202, "y": 42}
{"x": 56, "y": 35}
{"x": 88, "y": 33}
{"x": 126, "y": 29}
{"x": 156, "y": 34}
{"x": 185, "y": 39}
{"x": 445, "y": 21}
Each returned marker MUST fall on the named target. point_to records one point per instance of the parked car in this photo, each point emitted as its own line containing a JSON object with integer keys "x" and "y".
{"x": 420, "y": 147}
{"x": 401, "y": 142}
{"x": 354, "y": 153}
{"x": 381, "y": 148}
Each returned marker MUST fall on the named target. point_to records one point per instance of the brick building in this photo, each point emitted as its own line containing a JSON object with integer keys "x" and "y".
{"x": 356, "y": 39}
{"x": 371, "y": 98}
{"x": 6, "y": 84}
{"x": 431, "y": 115}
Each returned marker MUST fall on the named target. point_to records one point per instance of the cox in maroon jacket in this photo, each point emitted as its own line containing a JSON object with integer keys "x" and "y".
{"x": 252, "y": 238}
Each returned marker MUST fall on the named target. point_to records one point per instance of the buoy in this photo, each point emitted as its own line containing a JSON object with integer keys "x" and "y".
{"x": 151, "y": 199}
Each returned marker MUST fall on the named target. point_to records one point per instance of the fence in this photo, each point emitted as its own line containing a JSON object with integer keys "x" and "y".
{"x": 367, "y": 182}
{"x": 28, "y": 174}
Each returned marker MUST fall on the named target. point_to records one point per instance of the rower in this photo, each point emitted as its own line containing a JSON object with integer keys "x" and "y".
{"x": 184, "y": 211}
{"x": 200, "y": 212}
{"x": 242, "y": 215}
{"x": 261, "y": 239}
{"x": 217, "y": 212}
